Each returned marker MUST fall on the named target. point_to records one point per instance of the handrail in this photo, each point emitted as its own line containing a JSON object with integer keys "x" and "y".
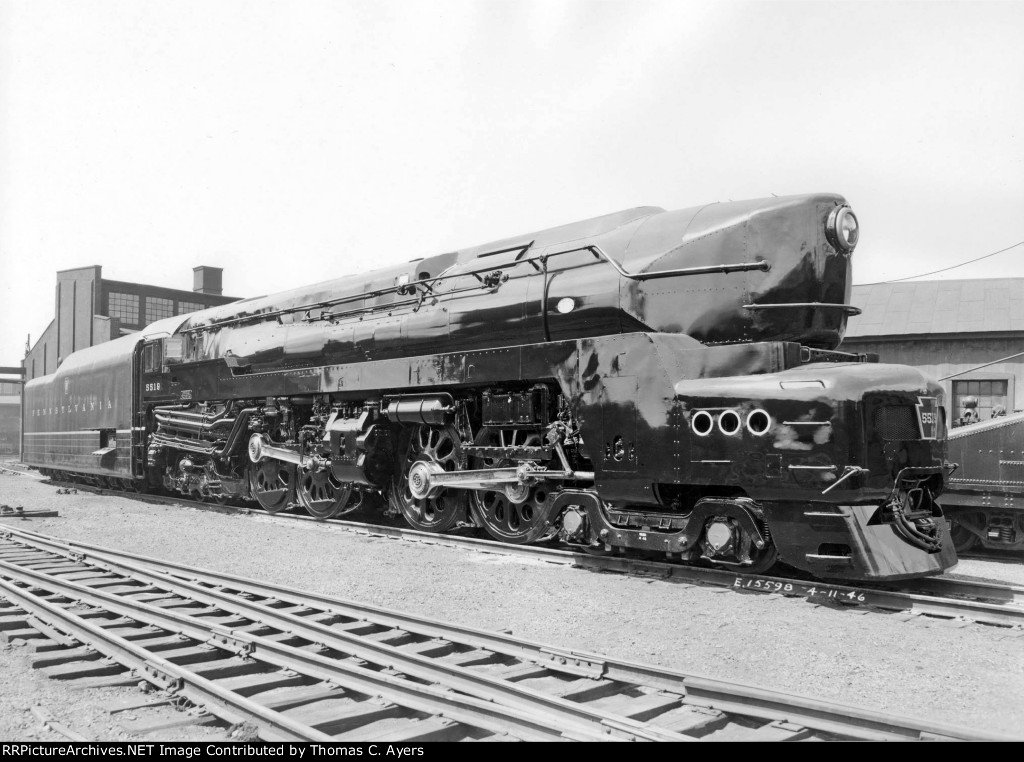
{"x": 759, "y": 264}
{"x": 849, "y": 309}
{"x": 400, "y": 289}
{"x": 428, "y": 283}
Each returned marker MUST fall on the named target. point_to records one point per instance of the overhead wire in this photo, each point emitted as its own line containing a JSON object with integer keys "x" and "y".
{"x": 944, "y": 269}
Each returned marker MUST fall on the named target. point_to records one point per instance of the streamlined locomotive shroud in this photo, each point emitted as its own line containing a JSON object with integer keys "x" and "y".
{"x": 647, "y": 381}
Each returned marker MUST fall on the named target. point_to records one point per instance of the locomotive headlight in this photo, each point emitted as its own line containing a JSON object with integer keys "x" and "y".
{"x": 842, "y": 229}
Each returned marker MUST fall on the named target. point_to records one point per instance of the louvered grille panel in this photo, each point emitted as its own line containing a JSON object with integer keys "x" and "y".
{"x": 896, "y": 422}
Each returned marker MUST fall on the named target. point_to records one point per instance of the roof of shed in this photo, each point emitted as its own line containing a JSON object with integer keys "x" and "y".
{"x": 938, "y": 306}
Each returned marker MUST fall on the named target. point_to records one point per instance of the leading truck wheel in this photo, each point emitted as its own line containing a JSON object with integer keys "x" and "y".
{"x": 422, "y": 449}
{"x": 727, "y": 545}
{"x": 762, "y": 560}
{"x": 963, "y": 538}
{"x": 272, "y": 483}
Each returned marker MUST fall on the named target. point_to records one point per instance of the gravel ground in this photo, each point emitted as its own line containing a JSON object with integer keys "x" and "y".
{"x": 951, "y": 673}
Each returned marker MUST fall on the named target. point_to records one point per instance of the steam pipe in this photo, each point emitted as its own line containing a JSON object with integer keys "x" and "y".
{"x": 238, "y": 426}
{"x": 195, "y": 425}
{"x": 161, "y": 411}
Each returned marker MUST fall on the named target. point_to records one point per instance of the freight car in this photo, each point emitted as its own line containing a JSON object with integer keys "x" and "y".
{"x": 648, "y": 381}
{"x": 984, "y": 502}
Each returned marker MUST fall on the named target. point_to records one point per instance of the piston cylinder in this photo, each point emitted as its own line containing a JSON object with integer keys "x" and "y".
{"x": 432, "y": 410}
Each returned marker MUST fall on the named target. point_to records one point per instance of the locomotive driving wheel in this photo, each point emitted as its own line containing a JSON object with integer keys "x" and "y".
{"x": 323, "y": 496}
{"x": 513, "y": 514}
{"x": 432, "y": 448}
{"x": 272, "y": 483}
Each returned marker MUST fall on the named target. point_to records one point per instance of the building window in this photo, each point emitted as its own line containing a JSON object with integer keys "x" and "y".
{"x": 124, "y": 306}
{"x": 157, "y": 308}
{"x": 186, "y": 307}
{"x": 990, "y": 397}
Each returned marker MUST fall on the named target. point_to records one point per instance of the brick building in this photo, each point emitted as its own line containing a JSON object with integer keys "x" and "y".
{"x": 90, "y": 309}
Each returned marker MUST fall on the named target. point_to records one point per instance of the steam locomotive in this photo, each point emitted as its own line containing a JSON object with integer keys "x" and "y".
{"x": 657, "y": 382}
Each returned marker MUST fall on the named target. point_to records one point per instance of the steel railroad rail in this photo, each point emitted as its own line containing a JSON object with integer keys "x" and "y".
{"x": 943, "y": 597}
{"x": 242, "y": 629}
{"x": 208, "y": 638}
{"x": 367, "y": 697}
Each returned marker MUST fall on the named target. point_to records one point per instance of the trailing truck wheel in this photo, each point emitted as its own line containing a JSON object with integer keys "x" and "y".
{"x": 324, "y": 497}
{"x": 272, "y": 483}
{"x": 436, "y": 448}
{"x": 516, "y": 516}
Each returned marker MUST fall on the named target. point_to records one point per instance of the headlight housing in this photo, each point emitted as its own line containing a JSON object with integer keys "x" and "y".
{"x": 842, "y": 229}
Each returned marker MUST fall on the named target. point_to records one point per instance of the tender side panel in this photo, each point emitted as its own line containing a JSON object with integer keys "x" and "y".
{"x": 80, "y": 418}
{"x": 81, "y": 451}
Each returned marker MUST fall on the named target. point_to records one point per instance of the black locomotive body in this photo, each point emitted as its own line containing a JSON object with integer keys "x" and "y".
{"x": 662, "y": 382}
{"x": 984, "y": 502}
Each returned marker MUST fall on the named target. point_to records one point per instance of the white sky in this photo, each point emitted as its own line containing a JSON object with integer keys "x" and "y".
{"x": 292, "y": 142}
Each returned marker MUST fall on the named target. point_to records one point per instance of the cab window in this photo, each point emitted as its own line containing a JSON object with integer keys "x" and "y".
{"x": 152, "y": 357}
